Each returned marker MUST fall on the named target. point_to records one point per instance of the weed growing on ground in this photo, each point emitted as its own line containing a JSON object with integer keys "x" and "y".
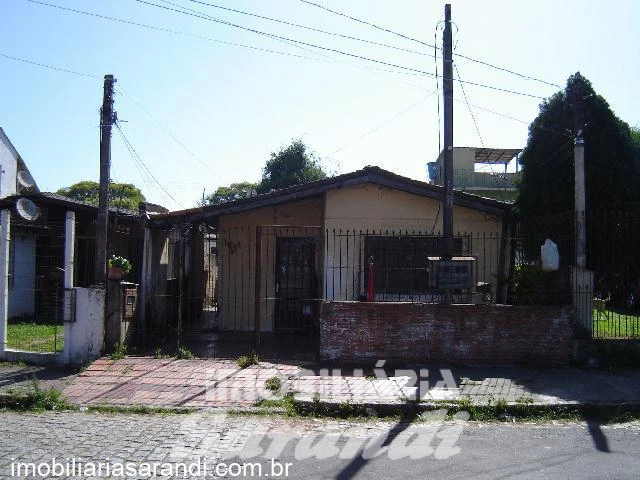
{"x": 273, "y": 384}
{"x": 119, "y": 351}
{"x": 35, "y": 399}
{"x": 246, "y": 361}
{"x": 184, "y": 354}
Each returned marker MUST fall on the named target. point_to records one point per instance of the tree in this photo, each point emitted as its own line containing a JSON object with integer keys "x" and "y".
{"x": 292, "y": 165}
{"x": 611, "y": 174}
{"x": 122, "y": 195}
{"x": 235, "y": 191}
{"x": 545, "y": 199}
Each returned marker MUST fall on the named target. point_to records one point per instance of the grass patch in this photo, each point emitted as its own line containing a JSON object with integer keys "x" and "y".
{"x": 34, "y": 337}
{"x": 35, "y": 399}
{"x": 615, "y": 324}
{"x": 138, "y": 410}
{"x": 19, "y": 364}
{"x": 245, "y": 361}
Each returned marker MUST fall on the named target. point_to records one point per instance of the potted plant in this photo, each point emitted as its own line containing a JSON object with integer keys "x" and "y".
{"x": 118, "y": 267}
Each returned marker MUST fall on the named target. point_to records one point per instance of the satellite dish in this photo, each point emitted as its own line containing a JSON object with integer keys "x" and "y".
{"x": 25, "y": 180}
{"x": 27, "y": 209}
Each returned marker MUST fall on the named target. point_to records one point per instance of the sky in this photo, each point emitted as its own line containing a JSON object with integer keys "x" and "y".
{"x": 206, "y": 103}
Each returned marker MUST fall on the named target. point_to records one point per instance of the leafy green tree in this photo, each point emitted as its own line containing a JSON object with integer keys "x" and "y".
{"x": 123, "y": 195}
{"x": 235, "y": 191}
{"x": 292, "y": 165}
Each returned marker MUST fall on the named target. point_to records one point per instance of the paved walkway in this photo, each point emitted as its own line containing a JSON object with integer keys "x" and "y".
{"x": 221, "y": 383}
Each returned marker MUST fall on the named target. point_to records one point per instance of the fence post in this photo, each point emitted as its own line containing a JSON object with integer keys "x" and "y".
{"x": 5, "y": 238}
{"x": 69, "y": 249}
{"x": 258, "y": 278}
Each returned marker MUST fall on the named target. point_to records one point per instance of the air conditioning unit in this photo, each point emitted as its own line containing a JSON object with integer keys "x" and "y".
{"x": 459, "y": 273}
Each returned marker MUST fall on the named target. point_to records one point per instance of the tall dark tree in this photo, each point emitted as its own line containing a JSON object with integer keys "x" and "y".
{"x": 545, "y": 200}
{"x": 292, "y": 165}
{"x": 611, "y": 172}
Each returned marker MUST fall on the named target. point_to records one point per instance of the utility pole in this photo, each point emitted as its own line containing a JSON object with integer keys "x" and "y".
{"x": 447, "y": 89}
{"x": 107, "y": 119}
{"x": 578, "y": 167}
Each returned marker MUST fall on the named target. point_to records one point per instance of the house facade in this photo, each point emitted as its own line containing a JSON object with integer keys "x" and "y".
{"x": 368, "y": 234}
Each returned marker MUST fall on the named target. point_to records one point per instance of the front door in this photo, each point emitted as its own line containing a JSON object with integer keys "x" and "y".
{"x": 295, "y": 284}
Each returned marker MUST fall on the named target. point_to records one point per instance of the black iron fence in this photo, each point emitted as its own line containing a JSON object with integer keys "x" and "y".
{"x": 272, "y": 278}
{"x": 605, "y": 293}
{"x": 408, "y": 266}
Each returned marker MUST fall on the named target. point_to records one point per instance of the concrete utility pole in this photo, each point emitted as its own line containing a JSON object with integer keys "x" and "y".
{"x": 447, "y": 89}
{"x": 107, "y": 119}
{"x": 578, "y": 166}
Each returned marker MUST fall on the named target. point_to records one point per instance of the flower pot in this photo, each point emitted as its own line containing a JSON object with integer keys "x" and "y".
{"x": 115, "y": 273}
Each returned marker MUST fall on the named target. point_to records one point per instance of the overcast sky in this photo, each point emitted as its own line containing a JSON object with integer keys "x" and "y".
{"x": 201, "y": 113}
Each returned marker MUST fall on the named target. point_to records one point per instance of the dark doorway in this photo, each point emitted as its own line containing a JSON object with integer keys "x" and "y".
{"x": 296, "y": 285}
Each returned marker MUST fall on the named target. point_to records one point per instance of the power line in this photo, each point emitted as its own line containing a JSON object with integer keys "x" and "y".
{"x": 167, "y": 30}
{"x": 466, "y": 100}
{"x": 342, "y": 52}
{"x": 165, "y": 129}
{"x": 58, "y": 69}
{"x": 412, "y": 39}
{"x": 124, "y": 138}
{"x": 386, "y": 122}
{"x": 305, "y": 27}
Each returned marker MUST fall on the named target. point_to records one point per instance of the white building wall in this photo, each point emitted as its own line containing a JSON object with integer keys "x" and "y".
{"x": 8, "y": 169}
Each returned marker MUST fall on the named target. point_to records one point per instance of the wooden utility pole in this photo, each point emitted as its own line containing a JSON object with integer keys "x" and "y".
{"x": 578, "y": 167}
{"x": 447, "y": 89}
{"x": 107, "y": 119}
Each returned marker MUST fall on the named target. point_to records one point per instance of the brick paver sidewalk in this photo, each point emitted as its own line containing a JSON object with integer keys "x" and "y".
{"x": 221, "y": 383}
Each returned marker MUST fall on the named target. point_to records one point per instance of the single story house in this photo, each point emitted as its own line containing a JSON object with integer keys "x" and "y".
{"x": 260, "y": 266}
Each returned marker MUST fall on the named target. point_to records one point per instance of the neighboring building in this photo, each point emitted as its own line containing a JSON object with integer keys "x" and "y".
{"x": 14, "y": 174}
{"x": 279, "y": 254}
{"x": 36, "y": 250}
{"x": 481, "y": 171}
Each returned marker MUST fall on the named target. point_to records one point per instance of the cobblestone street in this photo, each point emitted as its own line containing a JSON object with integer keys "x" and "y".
{"x": 318, "y": 448}
{"x": 174, "y": 438}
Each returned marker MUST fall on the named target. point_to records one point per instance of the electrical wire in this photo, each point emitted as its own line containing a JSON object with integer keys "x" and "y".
{"x": 306, "y": 27}
{"x": 466, "y": 100}
{"x": 412, "y": 39}
{"x": 386, "y": 122}
{"x": 165, "y": 129}
{"x": 342, "y": 52}
{"x": 268, "y": 35}
{"x": 64, "y": 70}
{"x": 167, "y": 30}
{"x": 124, "y": 138}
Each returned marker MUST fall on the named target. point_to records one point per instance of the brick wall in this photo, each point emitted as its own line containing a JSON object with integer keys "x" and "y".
{"x": 456, "y": 334}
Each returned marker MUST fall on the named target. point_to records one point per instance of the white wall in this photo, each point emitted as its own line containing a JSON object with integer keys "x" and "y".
{"x": 83, "y": 339}
{"x": 8, "y": 163}
{"x": 22, "y": 286}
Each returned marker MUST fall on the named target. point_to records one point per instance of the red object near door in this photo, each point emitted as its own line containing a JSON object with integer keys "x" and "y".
{"x": 371, "y": 281}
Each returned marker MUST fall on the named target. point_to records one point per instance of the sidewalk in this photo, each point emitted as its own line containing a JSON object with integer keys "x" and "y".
{"x": 221, "y": 383}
